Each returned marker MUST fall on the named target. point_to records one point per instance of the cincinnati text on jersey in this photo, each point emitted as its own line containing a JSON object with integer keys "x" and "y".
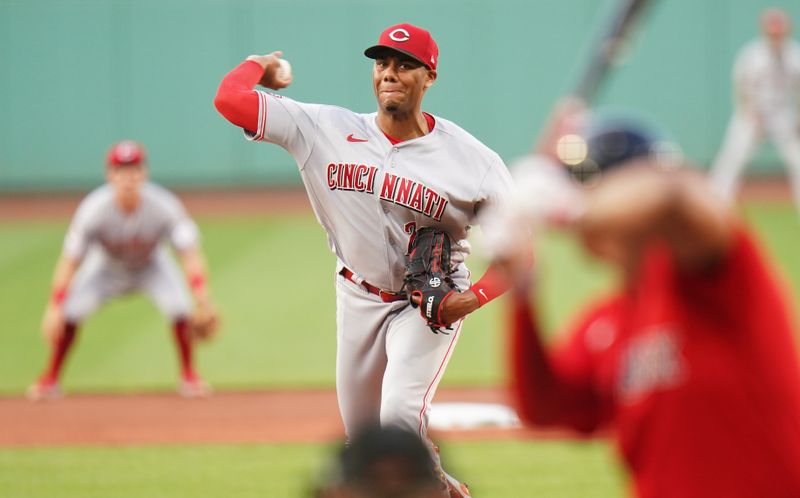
{"x": 396, "y": 189}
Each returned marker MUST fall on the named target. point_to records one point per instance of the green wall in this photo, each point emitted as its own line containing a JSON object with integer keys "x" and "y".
{"x": 77, "y": 75}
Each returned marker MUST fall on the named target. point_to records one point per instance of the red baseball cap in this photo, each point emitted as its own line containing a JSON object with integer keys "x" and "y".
{"x": 125, "y": 153}
{"x": 410, "y": 40}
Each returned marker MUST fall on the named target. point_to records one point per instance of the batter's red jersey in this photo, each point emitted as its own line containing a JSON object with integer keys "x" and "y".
{"x": 698, "y": 375}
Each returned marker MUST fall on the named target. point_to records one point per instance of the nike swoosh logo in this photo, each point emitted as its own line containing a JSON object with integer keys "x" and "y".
{"x": 351, "y": 138}
{"x": 480, "y": 291}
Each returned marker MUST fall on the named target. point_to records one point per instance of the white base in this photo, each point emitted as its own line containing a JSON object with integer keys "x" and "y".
{"x": 460, "y": 416}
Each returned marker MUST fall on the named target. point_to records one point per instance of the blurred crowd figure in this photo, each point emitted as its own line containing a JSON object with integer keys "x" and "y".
{"x": 116, "y": 245}
{"x": 692, "y": 358}
{"x": 766, "y": 84}
{"x": 383, "y": 462}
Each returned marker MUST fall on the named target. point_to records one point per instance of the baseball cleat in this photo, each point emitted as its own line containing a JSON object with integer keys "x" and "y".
{"x": 194, "y": 387}
{"x": 44, "y": 390}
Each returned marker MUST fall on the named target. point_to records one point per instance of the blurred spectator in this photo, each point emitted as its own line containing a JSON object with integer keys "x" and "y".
{"x": 766, "y": 83}
{"x": 384, "y": 462}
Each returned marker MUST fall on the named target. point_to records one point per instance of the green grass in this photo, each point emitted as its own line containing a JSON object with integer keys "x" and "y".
{"x": 501, "y": 469}
{"x": 273, "y": 280}
{"x": 779, "y": 229}
{"x": 271, "y": 277}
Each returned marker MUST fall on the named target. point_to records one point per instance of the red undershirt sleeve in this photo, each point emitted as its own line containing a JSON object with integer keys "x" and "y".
{"x": 236, "y": 98}
{"x": 490, "y": 285}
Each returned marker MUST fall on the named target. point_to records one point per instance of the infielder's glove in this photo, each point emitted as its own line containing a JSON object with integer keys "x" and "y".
{"x": 204, "y": 323}
{"x": 428, "y": 274}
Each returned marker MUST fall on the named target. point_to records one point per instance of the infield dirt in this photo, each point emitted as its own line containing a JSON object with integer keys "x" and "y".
{"x": 226, "y": 417}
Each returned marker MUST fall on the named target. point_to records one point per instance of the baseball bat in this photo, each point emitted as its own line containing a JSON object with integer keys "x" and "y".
{"x": 612, "y": 38}
{"x": 607, "y": 48}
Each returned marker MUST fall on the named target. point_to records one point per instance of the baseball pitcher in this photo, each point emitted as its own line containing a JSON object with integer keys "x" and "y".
{"x": 374, "y": 181}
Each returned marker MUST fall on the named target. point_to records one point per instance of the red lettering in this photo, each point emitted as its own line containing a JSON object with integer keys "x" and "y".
{"x": 440, "y": 210}
{"x": 361, "y": 170}
{"x": 416, "y": 198}
{"x": 359, "y": 177}
{"x": 433, "y": 197}
{"x": 339, "y": 175}
{"x": 404, "y": 191}
{"x": 388, "y": 187}
{"x": 347, "y": 177}
{"x": 371, "y": 179}
{"x": 331, "y": 173}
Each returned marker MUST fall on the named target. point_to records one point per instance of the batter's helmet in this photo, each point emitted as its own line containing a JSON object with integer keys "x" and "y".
{"x": 608, "y": 143}
{"x": 125, "y": 153}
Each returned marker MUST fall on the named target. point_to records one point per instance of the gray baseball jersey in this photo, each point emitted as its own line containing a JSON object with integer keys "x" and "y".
{"x": 123, "y": 252}
{"x": 770, "y": 80}
{"x": 370, "y": 195}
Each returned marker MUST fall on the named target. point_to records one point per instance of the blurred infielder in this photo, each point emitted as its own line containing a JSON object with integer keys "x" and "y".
{"x": 115, "y": 246}
{"x": 372, "y": 180}
{"x": 766, "y": 81}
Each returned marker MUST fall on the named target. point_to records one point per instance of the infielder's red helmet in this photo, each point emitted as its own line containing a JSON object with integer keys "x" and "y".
{"x": 125, "y": 153}
{"x": 410, "y": 40}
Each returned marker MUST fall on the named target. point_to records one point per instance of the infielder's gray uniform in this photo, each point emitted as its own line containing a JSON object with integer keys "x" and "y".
{"x": 370, "y": 195}
{"x": 769, "y": 84}
{"x": 124, "y": 252}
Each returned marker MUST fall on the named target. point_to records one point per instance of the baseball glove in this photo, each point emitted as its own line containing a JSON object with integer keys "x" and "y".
{"x": 204, "y": 323}
{"x": 428, "y": 274}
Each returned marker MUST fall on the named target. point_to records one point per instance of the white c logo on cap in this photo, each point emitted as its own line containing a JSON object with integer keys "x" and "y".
{"x": 399, "y": 35}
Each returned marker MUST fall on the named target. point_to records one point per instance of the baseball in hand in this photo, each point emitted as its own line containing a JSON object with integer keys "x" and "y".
{"x": 284, "y": 71}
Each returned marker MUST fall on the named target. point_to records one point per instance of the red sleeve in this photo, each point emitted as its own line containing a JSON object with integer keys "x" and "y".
{"x": 490, "y": 285}
{"x": 544, "y": 394}
{"x": 739, "y": 278}
{"x": 236, "y": 100}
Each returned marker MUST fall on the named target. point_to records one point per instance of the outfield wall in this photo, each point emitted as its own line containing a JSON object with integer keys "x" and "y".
{"x": 80, "y": 74}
